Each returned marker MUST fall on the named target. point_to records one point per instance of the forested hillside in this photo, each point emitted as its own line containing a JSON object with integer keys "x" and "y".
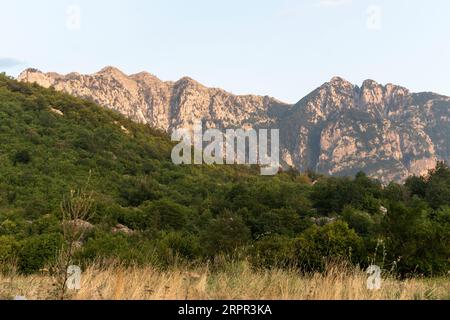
{"x": 148, "y": 211}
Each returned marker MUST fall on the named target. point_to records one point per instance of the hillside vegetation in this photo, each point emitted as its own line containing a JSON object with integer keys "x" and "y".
{"x": 52, "y": 143}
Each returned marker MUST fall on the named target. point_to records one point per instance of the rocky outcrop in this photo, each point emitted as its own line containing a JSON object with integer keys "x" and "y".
{"x": 386, "y": 131}
{"x": 120, "y": 228}
{"x": 339, "y": 129}
{"x": 164, "y": 105}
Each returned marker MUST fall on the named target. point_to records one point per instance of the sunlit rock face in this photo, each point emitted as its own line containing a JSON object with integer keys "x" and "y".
{"x": 386, "y": 131}
{"x": 164, "y": 105}
{"x": 338, "y": 129}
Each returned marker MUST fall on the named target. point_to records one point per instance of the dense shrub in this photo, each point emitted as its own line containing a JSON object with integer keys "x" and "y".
{"x": 333, "y": 241}
{"x": 274, "y": 251}
{"x": 8, "y": 246}
{"x": 104, "y": 247}
{"x": 362, "y": 222}
{"x": 224, "y": 234}
{"x": 37, "y": 251}
{"x": 22, "y": 156}
{"x": 416, "y": 241}
{"x": 176, "y": 244}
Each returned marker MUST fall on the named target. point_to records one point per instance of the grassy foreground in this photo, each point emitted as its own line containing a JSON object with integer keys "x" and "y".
{"x": 237, "y": 282}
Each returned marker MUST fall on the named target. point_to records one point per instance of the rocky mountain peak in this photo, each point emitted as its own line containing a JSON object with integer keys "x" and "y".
{"x": 338, "y": 129}
{"x": 339, "y": 81}
{"x": 145, "y": 76}
{"x": 165, "y": 105}
{"x": 188, "y": 82}
{"x": 370, "y": 84}
{"x": 112, "y": 71}
{"x": 33, "y": 75}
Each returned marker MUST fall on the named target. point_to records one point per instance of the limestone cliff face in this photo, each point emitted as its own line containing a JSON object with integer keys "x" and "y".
{"x": 339, "y": 129}
{"x": 164, "y": 105}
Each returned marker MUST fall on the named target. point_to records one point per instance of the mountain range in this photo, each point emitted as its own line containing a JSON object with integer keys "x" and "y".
{"x": 338, "y": 129}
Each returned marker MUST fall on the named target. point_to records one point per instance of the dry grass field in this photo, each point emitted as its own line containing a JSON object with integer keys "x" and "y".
{"x": 237, "y": 282}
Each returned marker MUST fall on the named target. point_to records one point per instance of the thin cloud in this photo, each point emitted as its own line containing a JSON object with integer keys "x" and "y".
{"x": 9, "y": 62}
{"x": 297, "y": 10}
{"x": 334, "y": 3}
{"x": 290, "y": 12}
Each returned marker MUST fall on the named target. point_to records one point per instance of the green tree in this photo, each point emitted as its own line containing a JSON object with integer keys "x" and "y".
{"x": 333, "y": 241}
{"x": 224, "y": 234}
{"x": 37, "y": 251}
{"x": 362, "y": 222}
{"x": 22, "y": 156}
{"x": 416, "y": 240}
{"x": 274, "y": 251}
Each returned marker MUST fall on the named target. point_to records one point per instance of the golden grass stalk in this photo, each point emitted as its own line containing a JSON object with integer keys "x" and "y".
{"x": 117, "y": 282}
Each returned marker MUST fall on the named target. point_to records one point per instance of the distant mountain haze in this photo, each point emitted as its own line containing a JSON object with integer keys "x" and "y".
{"x": 338, "y": 129}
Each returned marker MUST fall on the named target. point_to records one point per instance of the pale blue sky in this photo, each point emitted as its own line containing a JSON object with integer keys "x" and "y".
{"x": 279, "y": 48}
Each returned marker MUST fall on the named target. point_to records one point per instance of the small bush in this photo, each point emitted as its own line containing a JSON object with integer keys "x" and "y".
{"x": 333, "y": 241}
{"x": 225, "y": 234}
{"x": 22, "y": 156}
{"x": 273, "y": 252}
{"x": 37, "y": 251}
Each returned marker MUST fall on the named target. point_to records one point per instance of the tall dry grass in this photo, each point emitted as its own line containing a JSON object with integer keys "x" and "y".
{"x": 238, "y": 282}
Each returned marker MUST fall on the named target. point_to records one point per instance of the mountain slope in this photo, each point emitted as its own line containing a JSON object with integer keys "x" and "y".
{"x": 386, "y": 131}
{"x": 52, "y": 143}
{"x": 146, "y": 210}
{"x": 339, "y": 129}
{"x": 164, "y": 105}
